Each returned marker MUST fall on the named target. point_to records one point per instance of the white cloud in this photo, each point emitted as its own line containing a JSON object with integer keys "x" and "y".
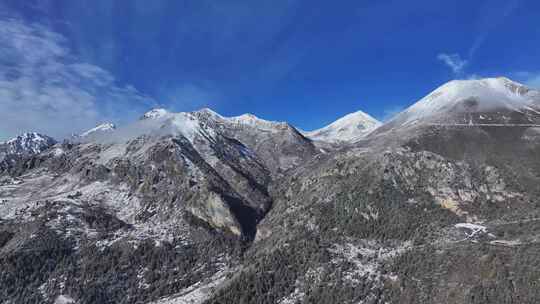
{"x": 43, "y": 88}
{"x": 454, "y": 62}
{"x": 492, "y": 15}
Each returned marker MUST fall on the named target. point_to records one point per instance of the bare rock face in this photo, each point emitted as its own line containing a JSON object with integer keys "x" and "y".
{"x": 439, "y": 205}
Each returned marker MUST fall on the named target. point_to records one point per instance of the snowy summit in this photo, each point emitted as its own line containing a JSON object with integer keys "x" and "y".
{"x": 27, "y": 143}
{"x": 106, "y": 127}
{"x": 349, "y": 128}
{"x": 155, "y": 113}
{"x": 470, "y": 96}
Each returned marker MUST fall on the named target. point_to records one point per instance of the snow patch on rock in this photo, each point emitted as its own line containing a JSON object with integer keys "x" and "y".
{"x": 473, "y": 229}
{"x": 198, "y": 292}
{"x": 64, "y": 299}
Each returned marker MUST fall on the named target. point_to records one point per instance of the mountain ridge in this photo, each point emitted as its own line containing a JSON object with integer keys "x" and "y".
{"x": 194, "y": 207}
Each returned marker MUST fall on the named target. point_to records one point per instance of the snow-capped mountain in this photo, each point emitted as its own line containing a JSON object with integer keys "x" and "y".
{"x": 190, "y": 124}
{"x": 349, "y": 128}
{"x": 207, "y": 114}
{"x": 222, "y": 166}
{"x": 195, "y": 207}
{"x": 480, "y": 101}
{"x": 26, "y": 144}
{"x": 278, "y": 144}
{"x": 256, "y": 122}
{"x": 105, "y": 127}
{"x": 155, "y": 113}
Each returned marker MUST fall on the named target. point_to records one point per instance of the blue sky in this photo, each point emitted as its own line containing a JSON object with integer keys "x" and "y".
{"x": 67, "y": 65}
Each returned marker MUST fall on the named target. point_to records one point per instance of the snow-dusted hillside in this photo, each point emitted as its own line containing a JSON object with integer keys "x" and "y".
{"x": 346, "y": 129}
{"x": 440, "y": 204}
{"x": 277, "y": 144}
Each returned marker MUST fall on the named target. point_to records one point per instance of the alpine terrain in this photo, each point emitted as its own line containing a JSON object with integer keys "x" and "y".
{"x": 349, "y": 128}
{"x": 437, "y": 205}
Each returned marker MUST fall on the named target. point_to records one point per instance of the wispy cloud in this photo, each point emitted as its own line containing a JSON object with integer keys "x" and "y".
{"x": 44, "y": 88}
{"x": 454, "y": 62}
{"x": 390, "y": 112}
{"x": 189, "y": 96}
{"x": 492, "y": 15}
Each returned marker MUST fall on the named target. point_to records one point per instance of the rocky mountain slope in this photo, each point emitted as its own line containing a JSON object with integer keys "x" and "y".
{"x": 279, "y": 145}
{"x": 24, "y": 145}
{"x": 438, "y": 205}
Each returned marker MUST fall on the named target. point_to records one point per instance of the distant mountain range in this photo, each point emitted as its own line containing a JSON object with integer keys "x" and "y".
{"x": 437, "y": 205}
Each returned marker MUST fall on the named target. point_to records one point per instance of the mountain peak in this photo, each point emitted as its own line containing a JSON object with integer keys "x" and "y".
{"x": 354, "y": 116}
{"x": 252, "y": 120}
{"x": 104, "y": 127}
{"x": 29, "y": 136}
{"x": 350, "y": 127}
{"x": 456, "y": 100}
{"x": 208, "y": 111}
{"x": 247, "y": 117}
{"x": 470, "y": 86}
{"x": 155, "y": 113}
{"x": 27, "y": 143}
